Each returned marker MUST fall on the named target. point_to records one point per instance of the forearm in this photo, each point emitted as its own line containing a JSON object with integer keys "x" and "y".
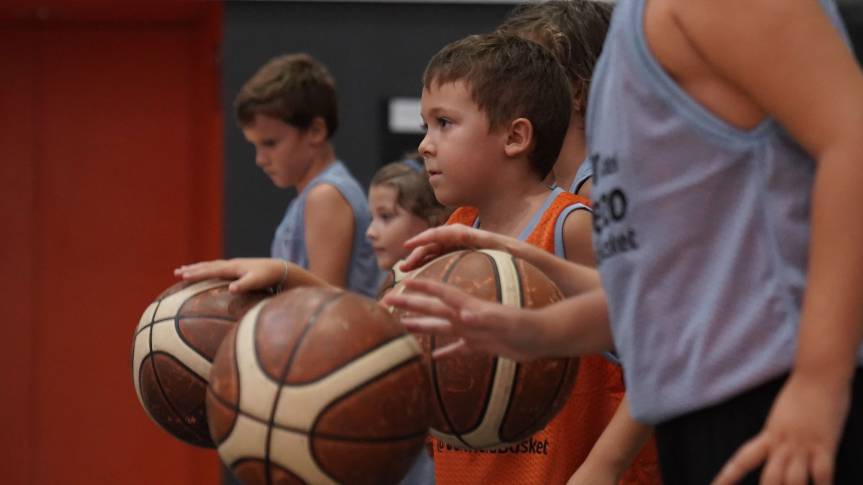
{"x": 831, "y": 325}
{"x": 296, "y": 276}
{"x": 575, "y": 326}
{"x": 620, "y": 443}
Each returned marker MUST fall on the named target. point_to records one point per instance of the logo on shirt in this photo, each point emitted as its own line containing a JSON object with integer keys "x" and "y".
{"x": 530, "y": 446}
{"x": 611, "y": 236}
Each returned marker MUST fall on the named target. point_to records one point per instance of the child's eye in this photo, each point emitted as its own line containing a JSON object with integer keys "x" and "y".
{"x": 443, "y": 122}
{"x": 386, "y": 217}
{"x": 268, "y": 143}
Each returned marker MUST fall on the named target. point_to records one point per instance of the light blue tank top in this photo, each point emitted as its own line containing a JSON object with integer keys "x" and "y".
{"x": 584, "y": 173}
{"x": 701, "y": 231}
{"x": 290, "y": 240}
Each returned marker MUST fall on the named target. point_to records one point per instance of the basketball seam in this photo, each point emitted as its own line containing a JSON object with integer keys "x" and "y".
{"x": 346, "y": 364}
{"x": 271, "y": 422}
{"x": 517, "y": 365}
{"x": 217, "y": 397}
{"x": 170, "y": 404}
{"x": 490, "y": 388}
{"x": 187, "y": 342}
{"x": 289, "y": 429}
{"x": 458, "y": 435}
{"x": 239, "y": 461}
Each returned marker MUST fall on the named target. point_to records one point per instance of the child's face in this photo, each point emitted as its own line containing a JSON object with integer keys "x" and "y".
{"x": 459, "y": 151}
{"x": 282, "y": 151}
{"x": 391, "y": 225}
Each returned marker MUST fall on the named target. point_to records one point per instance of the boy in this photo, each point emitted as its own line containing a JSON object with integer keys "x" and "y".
{"x": 288, "y": 111}
{"x": 734, "y": 328}
{"x": 573, "y": 30}
{"x": 497, "y": 108}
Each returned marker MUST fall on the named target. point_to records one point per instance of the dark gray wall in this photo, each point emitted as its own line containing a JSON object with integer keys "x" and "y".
{"x": 375, "y": 51}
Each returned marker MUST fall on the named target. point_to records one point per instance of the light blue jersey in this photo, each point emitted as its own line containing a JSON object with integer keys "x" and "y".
{"x": 701, "y": 231}
{"x": 290, "y": 240}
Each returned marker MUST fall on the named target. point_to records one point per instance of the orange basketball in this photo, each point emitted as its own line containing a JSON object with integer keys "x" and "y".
{"x": 318, "y": 386}
{"x": 482, "y": 401}
{"x": 172, "y": 350}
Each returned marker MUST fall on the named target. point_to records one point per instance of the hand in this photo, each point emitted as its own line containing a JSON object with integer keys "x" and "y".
{"x": 481, "y": 325}
{"x": 800, "y": 437}
{"x": 250, "y": 273}
{"x": 436, "y": 241}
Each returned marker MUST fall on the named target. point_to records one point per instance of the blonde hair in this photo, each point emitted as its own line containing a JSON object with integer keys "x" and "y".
{"x": 413, "y": 191}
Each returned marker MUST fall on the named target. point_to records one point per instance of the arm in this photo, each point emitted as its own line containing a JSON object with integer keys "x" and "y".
{"x": 574, "y": 326}
{"x": 789, "y": 60}
{"x": 251, "y": 273}
{"x": 571, "y": 278}
{"x": 615, "y": 450}
{"x": 577, "y": 240}
{"x": 329, "y": 234}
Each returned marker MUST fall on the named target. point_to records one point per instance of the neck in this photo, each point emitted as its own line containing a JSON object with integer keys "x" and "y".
{"x": 511, "y": 207}
{"x": 572, "y": 153}
{"x": 321, "y": 159}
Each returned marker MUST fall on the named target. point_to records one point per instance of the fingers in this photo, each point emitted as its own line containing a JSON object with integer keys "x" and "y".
{"x": 454, "y": 348}
{"x": 747, "y": 458}
{"x": 420, "y": 304}
{"x": 204, "y": 270}
{"x": 247, "y": 282}
{"x": 796, "y": 469}
{"x": 428, "y": 325}
{"x": 774, "y": 468}
{"x": 450, "y": 295}
{"x": 420, "y": 255}
{"x": 822, "y": 468}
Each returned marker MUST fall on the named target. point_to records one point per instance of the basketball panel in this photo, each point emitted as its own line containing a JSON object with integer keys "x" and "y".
{"x": 283, "y": 322}
{"x": 370, "y": 462}
{"x": 392, "y": 405}
{"x": 162, "y": 378}
{"x": 345, "y": 330}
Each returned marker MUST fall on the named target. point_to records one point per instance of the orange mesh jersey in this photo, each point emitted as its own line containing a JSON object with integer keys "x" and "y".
{"x": 552, "y": 455}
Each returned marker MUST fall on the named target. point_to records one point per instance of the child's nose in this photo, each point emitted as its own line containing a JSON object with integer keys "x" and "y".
{"x": 425, "y": 148}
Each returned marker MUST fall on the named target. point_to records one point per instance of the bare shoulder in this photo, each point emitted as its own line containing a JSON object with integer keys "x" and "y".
{"x": 326, "y": 206}
{"x": 676, "y": 32}
{"x": 577, "y": 237}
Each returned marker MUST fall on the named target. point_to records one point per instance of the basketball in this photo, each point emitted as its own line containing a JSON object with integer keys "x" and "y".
{"x": 481, "y": 401}
{"x": 391, "y": 278}
{"x": 173, "y": 348}
{"x": 318, "y": 386}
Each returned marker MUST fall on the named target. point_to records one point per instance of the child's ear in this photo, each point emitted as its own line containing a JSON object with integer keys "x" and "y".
{"x": 519, "y": 137}
{"x": 317, "y": 130}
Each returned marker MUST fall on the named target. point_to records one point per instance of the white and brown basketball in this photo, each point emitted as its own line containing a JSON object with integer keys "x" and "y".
{"x": 173, "y": 348}
{"x": 318, "y": 386}
{"x": 482, "y": 401}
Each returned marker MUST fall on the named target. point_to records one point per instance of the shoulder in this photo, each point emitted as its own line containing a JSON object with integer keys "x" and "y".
{"x": 325, "y": 202}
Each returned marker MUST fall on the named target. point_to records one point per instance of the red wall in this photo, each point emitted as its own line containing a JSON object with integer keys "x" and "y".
{"x": 110, "y": 176}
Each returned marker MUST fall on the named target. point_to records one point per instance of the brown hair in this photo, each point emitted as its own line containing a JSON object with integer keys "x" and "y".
{"x": 573, "y": 30}
{"x": 413, "y": 191}
{"x": 508, "y": 78}
{"x": 293, "y": 88}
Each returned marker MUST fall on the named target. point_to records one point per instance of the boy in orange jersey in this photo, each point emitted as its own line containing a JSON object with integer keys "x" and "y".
{"x": 497, "y": 108}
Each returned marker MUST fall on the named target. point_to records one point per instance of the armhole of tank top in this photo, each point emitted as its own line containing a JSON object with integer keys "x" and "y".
{"x": 698, "y": 116}
{"x": 559, "y": 247}
{"x": 578, "y": 182}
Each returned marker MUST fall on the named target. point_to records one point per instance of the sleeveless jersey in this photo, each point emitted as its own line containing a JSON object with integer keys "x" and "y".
{"x": 701, "y": 231}
{"x": 289, "y": 242}
{"x": 552, "y": 455}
